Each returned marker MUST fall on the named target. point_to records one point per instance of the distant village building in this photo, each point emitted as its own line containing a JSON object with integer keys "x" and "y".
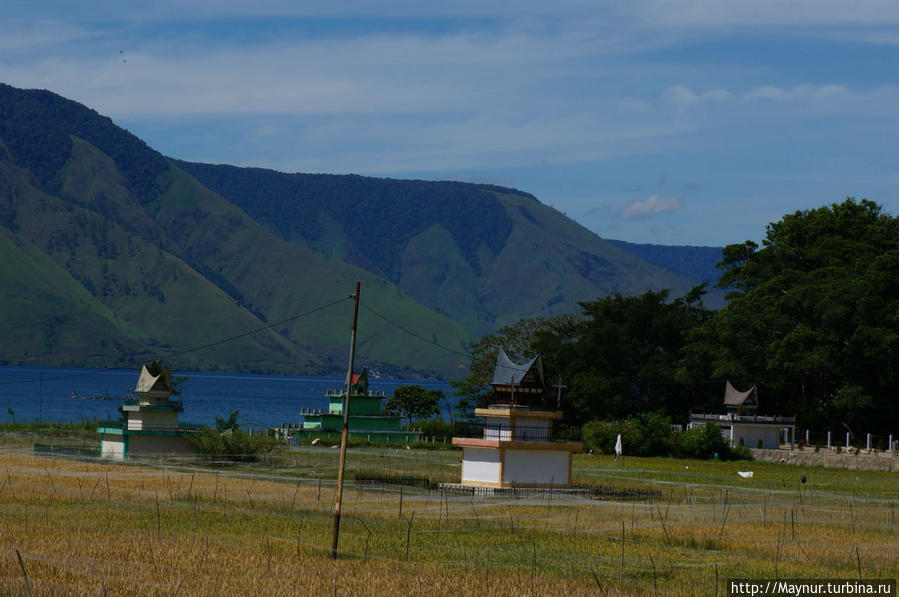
{"x": 742, "y": 427}
{"x": 149, "y": 423}
{"x": 521, "y": 442}
{"x": 366, "y": 419}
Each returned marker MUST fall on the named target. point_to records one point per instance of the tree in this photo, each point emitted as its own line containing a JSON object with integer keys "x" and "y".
{"x": 413, "y": 402}
{"x": 813, "y": 317}
{"x": 625, "y": 359}
{"x": 521, "y": 340}
{"x": 159, "y": 366}
{"x": 229, "y": 424}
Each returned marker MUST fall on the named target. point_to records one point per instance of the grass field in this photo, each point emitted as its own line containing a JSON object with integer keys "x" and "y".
{"x": 180, "y": 528}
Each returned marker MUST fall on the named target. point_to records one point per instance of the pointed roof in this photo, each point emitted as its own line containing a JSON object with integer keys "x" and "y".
{"x": 359, "y": 381}
{"x": 733, "y": 397}
{"x": 147, "y": 382}
{"x": 510, "y": 373}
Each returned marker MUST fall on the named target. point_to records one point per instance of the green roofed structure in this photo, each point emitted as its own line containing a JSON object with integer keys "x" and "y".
{"x": 366, "y": 420}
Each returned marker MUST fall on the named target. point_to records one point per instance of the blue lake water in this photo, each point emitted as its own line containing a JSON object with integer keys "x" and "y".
{"x": 45, "y": 394}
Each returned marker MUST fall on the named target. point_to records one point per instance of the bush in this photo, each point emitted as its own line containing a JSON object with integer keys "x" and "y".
{"x": 433, "y": 427}
{"x": 703, "y": 442}
{"x": 234, "y": 444}
{"x": 648, "y": 434}
{"x": 739, "y": 453}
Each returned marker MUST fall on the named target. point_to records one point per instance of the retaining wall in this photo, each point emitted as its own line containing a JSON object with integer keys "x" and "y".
{"x": 875, "y": 461}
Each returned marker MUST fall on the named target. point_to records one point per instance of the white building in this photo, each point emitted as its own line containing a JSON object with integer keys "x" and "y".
{"x": 149, "y": 423}
{"x": 520, "y": 442}
{"x": 742, "y": 427}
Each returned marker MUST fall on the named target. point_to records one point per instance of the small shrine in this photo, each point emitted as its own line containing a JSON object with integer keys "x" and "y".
{"x": 366, "y": 418}
{"x": 742, "y": 426}
{"x": 520, "y": 441}
{"x": 149, "y": 424}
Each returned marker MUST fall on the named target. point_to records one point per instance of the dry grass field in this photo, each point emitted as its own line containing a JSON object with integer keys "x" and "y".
{"x": 179, "y": 528}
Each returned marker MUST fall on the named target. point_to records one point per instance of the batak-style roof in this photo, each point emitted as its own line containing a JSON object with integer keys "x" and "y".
{"x": 147, "y": 382}
{"x": 508, "y": 373}
{"x": 360, "y": 382}
{"x": 733, "y": 397}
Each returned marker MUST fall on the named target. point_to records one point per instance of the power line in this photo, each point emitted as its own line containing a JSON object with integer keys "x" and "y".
{"x": 415, "y": 335}
{"x": 256, "y": 331}
{"x": 189, "y": 350}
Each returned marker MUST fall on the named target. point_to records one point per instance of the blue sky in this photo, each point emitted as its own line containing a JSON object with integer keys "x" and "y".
{"x": 671, "y": 122}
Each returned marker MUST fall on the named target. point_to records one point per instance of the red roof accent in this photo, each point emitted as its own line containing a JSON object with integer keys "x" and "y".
{"x": 355, "y": 378}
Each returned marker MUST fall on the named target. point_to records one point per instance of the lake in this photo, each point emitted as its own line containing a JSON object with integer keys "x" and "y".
{"x": 45, "y": 394}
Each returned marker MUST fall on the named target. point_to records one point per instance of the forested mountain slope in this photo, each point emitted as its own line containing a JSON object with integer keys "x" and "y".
{"x": 113, "y": 253}
{"x": 485, "y": 255}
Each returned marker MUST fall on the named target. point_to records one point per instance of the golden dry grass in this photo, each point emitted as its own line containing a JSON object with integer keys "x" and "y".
{"x": 85, "y": 528}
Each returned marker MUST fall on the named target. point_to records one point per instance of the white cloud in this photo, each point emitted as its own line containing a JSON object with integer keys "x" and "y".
{"x": 769, "y": 102}
{"x": 649, "y": 207}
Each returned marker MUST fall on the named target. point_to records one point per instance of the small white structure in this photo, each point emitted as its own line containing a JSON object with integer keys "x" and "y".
{"x": 149, "y": 423}
{"x": 520, "y": 443}
{"x": 742, "y": 427}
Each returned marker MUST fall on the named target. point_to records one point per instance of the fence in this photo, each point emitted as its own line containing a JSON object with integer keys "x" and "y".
{"x": 74, "y": 452}
{"x": 553, "y": 431}
{"x": 846, "y": 440}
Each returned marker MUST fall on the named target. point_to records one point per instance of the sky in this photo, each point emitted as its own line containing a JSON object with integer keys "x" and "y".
{"x": 688, "y": 122}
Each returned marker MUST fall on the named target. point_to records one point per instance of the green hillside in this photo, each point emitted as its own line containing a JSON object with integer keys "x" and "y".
{"x": 482, "y": 254}
{"x": 178, "y": 266}
{"x": 116, "y": 253}
{"x": 52, "y": 319}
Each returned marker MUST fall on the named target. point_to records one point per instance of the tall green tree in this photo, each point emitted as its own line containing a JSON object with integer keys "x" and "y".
{"x": 413, "y": 402}
{"x": 619, "y": 358}
{"x": 813, "y": 318}
{"x": 625, "y": 359}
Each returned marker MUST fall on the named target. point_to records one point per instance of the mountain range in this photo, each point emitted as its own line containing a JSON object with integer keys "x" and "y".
{"x": 112, "y": 253}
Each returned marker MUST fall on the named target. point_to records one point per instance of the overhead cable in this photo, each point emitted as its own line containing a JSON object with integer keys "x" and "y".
{"x": 189, "y": 350}
{"x": 413, "y": 334}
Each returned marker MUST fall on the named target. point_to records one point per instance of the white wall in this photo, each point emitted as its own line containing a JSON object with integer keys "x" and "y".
{"x": 751, "y": 435}
{"x": 536, "y": 466}
{"x": 154, "y": 421}
{"x": 480, "y": 464}
{"x": 532, "y": 430}
{"x": 497, "y": 428}
{"x": 112, "y": 447}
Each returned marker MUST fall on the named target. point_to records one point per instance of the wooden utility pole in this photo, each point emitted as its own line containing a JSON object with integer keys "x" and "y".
{"x": 346, "y": 425}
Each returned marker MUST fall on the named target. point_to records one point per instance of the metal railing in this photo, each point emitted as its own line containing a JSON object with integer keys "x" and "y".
{"x": 521, "y": 401}
{"x": 726, "y": 418}
{"x": 182, "y": 426}
{"x": 340, "y": 392}
{"x": 555, "y": 432}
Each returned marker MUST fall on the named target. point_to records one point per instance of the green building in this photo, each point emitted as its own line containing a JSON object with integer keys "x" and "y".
{"x": 366, "y": 420}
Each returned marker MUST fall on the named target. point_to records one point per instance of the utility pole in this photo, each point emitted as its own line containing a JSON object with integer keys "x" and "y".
{"x": 346, "y": 425}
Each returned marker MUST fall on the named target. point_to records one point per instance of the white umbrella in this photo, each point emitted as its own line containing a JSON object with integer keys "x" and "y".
{"x": 618, "y": 447}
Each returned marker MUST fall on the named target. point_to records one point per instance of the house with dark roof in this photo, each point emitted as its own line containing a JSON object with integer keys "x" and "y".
{"x": 742, "y": 426}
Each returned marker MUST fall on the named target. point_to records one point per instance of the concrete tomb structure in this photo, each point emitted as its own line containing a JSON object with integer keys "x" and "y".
{"x": 521, "y": 441}
{"x": 742, "y": 427}
{"x": 149, "y": 423}
{"x": 366, "y": 420}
